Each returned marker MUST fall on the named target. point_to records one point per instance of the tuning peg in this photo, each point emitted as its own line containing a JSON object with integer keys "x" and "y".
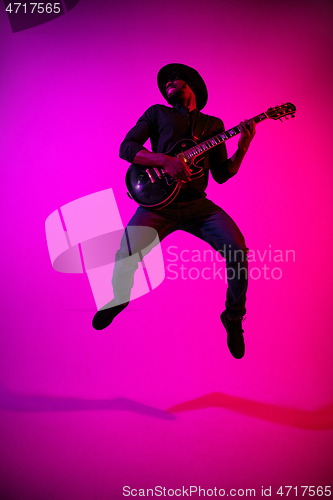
{"x": 286, "y": 117}
{"x": 293, "y": 116}
{"x": 281, "y": 120}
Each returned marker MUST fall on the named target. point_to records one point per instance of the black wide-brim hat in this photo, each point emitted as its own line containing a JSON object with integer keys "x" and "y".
{"x": 191, "y": 77}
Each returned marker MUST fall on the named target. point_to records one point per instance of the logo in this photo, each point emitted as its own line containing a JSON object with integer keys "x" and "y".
{"x": 84, "y": 235}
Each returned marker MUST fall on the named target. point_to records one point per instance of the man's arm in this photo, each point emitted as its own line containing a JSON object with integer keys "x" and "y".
{"x": 136, "y": 137}
{"x": 247, "y": 134}
{"x": 222, "y": 169}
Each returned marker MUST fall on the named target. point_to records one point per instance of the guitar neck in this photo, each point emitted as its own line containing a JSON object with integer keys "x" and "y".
{"x": 218, "y": 139}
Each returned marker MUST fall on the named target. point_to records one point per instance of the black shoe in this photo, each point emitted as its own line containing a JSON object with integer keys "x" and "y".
{"x": 235, "y": 339}
{"x": 104, "y": 317}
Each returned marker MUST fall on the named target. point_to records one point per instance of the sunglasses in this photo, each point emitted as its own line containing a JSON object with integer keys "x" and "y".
{"x": 175, "y": 76}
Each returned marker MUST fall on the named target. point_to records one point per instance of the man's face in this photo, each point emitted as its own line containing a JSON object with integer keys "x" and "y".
{"x": 175, "y": 89}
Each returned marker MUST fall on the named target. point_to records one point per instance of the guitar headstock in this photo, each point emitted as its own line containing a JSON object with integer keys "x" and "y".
{"x": 282, "y": 111}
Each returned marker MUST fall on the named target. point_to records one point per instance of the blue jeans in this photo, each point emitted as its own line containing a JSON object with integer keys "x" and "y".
{"x": 203, "y": 219}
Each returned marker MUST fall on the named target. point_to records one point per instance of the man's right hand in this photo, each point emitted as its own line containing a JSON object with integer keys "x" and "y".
{"x": 177, "y": 168}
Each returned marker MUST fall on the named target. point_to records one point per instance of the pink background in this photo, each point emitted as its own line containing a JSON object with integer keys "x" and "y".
{"x": 83, "y": 412}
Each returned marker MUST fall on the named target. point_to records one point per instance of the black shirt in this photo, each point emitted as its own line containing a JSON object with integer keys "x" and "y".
{"x": 165, "y": 126}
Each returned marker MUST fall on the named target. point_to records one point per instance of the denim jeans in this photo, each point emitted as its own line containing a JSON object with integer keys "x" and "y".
{"x": 203, "y": 219}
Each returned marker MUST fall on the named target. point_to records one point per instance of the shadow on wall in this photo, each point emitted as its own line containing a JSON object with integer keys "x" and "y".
{"x": 26, "y": 403}
{"x": 321, "y": 419}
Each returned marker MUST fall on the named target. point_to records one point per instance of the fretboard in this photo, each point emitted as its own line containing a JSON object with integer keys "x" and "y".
{"x": 218, "y": 139}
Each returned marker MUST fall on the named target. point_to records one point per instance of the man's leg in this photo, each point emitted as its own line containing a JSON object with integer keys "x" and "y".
{"x": 210, "y": 223}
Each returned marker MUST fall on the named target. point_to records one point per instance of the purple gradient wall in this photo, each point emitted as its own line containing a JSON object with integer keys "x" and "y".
{"x": 70, "y": 90}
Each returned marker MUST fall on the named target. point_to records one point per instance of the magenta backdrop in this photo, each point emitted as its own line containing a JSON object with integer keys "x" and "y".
{"x": 70, "y": 90}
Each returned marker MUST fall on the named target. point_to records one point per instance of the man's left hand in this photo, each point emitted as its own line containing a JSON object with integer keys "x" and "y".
{"x": 248, "y": 128}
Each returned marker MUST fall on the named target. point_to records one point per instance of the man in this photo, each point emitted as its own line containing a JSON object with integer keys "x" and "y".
{"x": 191, "y": 211}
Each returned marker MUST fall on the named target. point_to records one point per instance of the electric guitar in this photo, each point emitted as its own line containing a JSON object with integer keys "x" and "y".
{"x": 154, "y": 188}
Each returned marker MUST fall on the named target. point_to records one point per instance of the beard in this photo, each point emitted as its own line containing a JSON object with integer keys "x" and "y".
{"x": 176, "y": 95}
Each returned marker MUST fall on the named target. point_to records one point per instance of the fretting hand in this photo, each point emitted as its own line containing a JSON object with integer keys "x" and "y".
{"x": 248, "y": 130}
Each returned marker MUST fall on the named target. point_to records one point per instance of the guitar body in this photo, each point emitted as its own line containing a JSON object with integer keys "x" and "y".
{"x": 153, "y": 188}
